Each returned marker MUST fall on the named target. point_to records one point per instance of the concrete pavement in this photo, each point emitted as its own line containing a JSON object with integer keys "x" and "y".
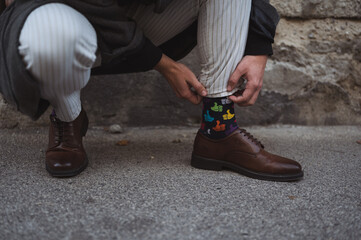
{"x": 148, "y": 190}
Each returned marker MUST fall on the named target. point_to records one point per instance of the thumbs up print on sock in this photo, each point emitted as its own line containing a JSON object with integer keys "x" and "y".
{"x": 228, "y": 116}
{"x": 219, "y": 127}
{"x": 208, "y": 117}
{"x": 217, "y": 108}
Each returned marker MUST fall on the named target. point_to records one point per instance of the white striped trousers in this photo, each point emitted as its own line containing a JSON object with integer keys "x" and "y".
{"x": 59, "y": 45}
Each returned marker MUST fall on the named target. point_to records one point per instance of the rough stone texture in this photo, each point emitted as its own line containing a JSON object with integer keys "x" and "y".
{"x": 136, "y": 99}
{"x": 318, "y": 8}
{"x": 317, "y": 67}
{"x": 314, "y": 77}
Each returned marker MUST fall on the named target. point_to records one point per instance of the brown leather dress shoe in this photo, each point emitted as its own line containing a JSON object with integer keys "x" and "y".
{"x": 244, "y": 154}
{"x": 66, "y": 156}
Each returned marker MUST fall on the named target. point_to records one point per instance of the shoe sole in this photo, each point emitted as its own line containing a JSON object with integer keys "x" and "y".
{"x": 218, "y": 165}
{"x": 65, "y": 174}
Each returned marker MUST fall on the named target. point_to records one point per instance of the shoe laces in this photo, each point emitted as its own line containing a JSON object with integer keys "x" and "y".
{"x": 252, "y": 138}
{"x": 61, "y": 130}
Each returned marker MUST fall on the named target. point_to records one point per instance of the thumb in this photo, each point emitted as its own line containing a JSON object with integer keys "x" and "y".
{"x": 236, "y": 75}
{"x": 200, "y": 89}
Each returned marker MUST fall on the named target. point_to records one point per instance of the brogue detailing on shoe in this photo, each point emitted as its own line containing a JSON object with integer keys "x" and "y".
{"x": 250, "y": 137}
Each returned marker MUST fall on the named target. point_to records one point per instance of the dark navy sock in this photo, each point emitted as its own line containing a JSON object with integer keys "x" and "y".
{"x": 218, "y": 118}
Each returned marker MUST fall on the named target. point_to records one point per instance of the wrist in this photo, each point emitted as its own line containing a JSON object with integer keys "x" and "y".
{"x": 258, "y": 59}
{"x": 164, "y": 64}
{"x": 258, "y": 56}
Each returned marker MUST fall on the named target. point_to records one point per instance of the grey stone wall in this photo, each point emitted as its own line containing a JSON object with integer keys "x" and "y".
{"x": 317, "y": 62}
{"x": 313, "y": 78}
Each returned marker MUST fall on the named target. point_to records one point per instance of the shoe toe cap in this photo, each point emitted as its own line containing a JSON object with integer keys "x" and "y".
{"x": 288, "y": 166}
{"x": 293, "y": 167}
{"x": 64, "y": 162}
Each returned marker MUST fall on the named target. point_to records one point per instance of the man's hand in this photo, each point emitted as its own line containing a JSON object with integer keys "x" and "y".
{"x": 251, "y": 68}
{"x": 8, "y": 2}
{"x": 181, "y": 79}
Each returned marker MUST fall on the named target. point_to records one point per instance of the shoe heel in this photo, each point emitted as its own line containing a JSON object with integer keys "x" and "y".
{"x": 205, "y": 163}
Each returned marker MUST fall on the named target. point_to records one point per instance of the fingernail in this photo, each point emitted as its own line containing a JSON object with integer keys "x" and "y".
{"x": 204, "y": 93}
{"x": 229, "y": 88}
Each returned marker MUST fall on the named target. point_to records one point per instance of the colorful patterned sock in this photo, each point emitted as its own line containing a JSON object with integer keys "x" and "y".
{"x": 218, "y": 118}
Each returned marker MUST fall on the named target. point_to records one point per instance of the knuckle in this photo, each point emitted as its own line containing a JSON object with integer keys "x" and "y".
{"x": 238, "y": 70}
{"x": 253, "y": 85}
{"x": 259, "y": 86}
{"x": 198, "y": 86}
{"x": 246, "y": 104}
{"x": 241, "y": 104}
{"x": 239, "y": 101}
{"x": 182, "y": 95}
{"x": 185, "y": 94}
{"x": 233, "y": 81}
{"x": 252, "y": 101}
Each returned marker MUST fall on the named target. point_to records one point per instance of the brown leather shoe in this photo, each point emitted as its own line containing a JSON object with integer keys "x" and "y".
{"x": 66, "y": 156}
{"x": 244, "y": 154}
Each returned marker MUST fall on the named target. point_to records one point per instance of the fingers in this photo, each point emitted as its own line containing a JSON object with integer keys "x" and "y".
{"x": 252, "y": 67}
{"x": 249, "y": 95}
{"x": 183, "y": 90}
{"x": 181, "y": 79}
{"x": 192, "y": 81}
{"x": 191, "y": 96}
{"x": 200, "y": 89}
{"x": 236, "y": 75}
{"x": 197, "y": 100}
{"x": 241, "y": 101}
{"x": 253, "y": 99}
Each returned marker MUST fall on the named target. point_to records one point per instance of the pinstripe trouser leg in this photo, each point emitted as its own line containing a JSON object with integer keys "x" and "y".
{"x": 222, "y": 34}
{"x": 58, "y": 45}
